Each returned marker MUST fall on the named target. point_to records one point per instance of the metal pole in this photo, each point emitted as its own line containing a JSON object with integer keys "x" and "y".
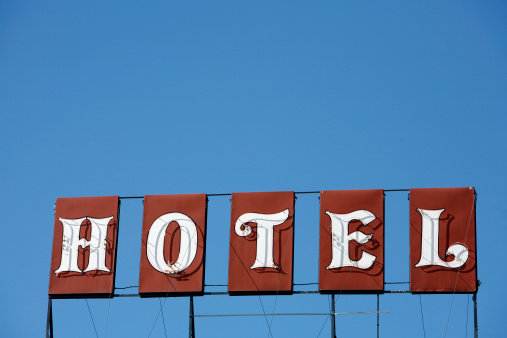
{"x": 333, "y": 328}
{"x": 191, "y": 327}
{"x": 49, "y": 324}
{"x": 378, "y": 315}
{"x": 476, "y": 326}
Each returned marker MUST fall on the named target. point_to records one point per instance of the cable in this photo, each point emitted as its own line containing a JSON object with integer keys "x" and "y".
{"x": 265, "y": 317}
{"x": 229, "y": 194}
{"x": 127, "y": 287}
{"x": 156, "y": 318}
{"x": 163, "y": 320}
{"x": 323, "y": 325}
{"x": 281, "y": 273}
{"x": 93, "y": 322}
{"x": 260, "y": 300}
{"x": 422, "y": 316}
{"x": 107, "y": 319}
{"x": 298, "y": 284}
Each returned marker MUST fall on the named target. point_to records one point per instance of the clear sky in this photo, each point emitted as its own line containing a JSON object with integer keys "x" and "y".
{"x": 131, "y": 99}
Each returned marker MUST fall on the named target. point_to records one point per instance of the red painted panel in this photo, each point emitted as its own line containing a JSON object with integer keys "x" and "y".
{"x": 94, "y": 283}
{"x": 339, "y": 278}
{"x": 244, "y": 277}
{"x": 190, "y": 280}
{"x": 456, "y": 225}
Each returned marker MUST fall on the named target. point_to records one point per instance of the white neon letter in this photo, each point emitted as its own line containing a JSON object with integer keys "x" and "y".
{"x": 71, "y": 243}
{"x": 341, "y": 238}
{"x": 188, "y": 243}
{"x": 265, "y": 224}
{"x": 429, "y": 243}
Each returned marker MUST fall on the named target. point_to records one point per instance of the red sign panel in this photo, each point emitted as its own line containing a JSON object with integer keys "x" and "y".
{"x": 351, "y": 257}
{"x": 84, "y": 247}
{"x": 173, "y": 245}
{"x": 442, "y": 240}
{"x": 261, "y": 252}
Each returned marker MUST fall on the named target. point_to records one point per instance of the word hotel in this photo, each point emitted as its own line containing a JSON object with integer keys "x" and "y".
{"x": 261, "y": 250}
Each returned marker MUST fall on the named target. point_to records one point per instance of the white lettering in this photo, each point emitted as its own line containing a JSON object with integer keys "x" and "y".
{"x": 188, "y": 243}
{"x": 71, "y": 243}
{"x": 265, "y": 224}
{"x": 429, "y": 243}
{"x": 341, "y": 238}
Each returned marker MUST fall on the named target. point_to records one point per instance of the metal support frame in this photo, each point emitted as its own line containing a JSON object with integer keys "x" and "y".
{"x": 49, "y": 324}
{"x": 476, "y": 326}
{"x": 333, "y": 326}
{"x": 378, "y": 315}
{"x": 191, "y": 317}
{"x": 191, "y": 326}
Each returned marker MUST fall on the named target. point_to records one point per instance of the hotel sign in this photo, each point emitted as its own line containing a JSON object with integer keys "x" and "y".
{"x": 261, "y": 251}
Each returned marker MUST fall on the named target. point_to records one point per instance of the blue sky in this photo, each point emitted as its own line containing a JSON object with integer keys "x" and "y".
{"x": 131, "y": 99}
